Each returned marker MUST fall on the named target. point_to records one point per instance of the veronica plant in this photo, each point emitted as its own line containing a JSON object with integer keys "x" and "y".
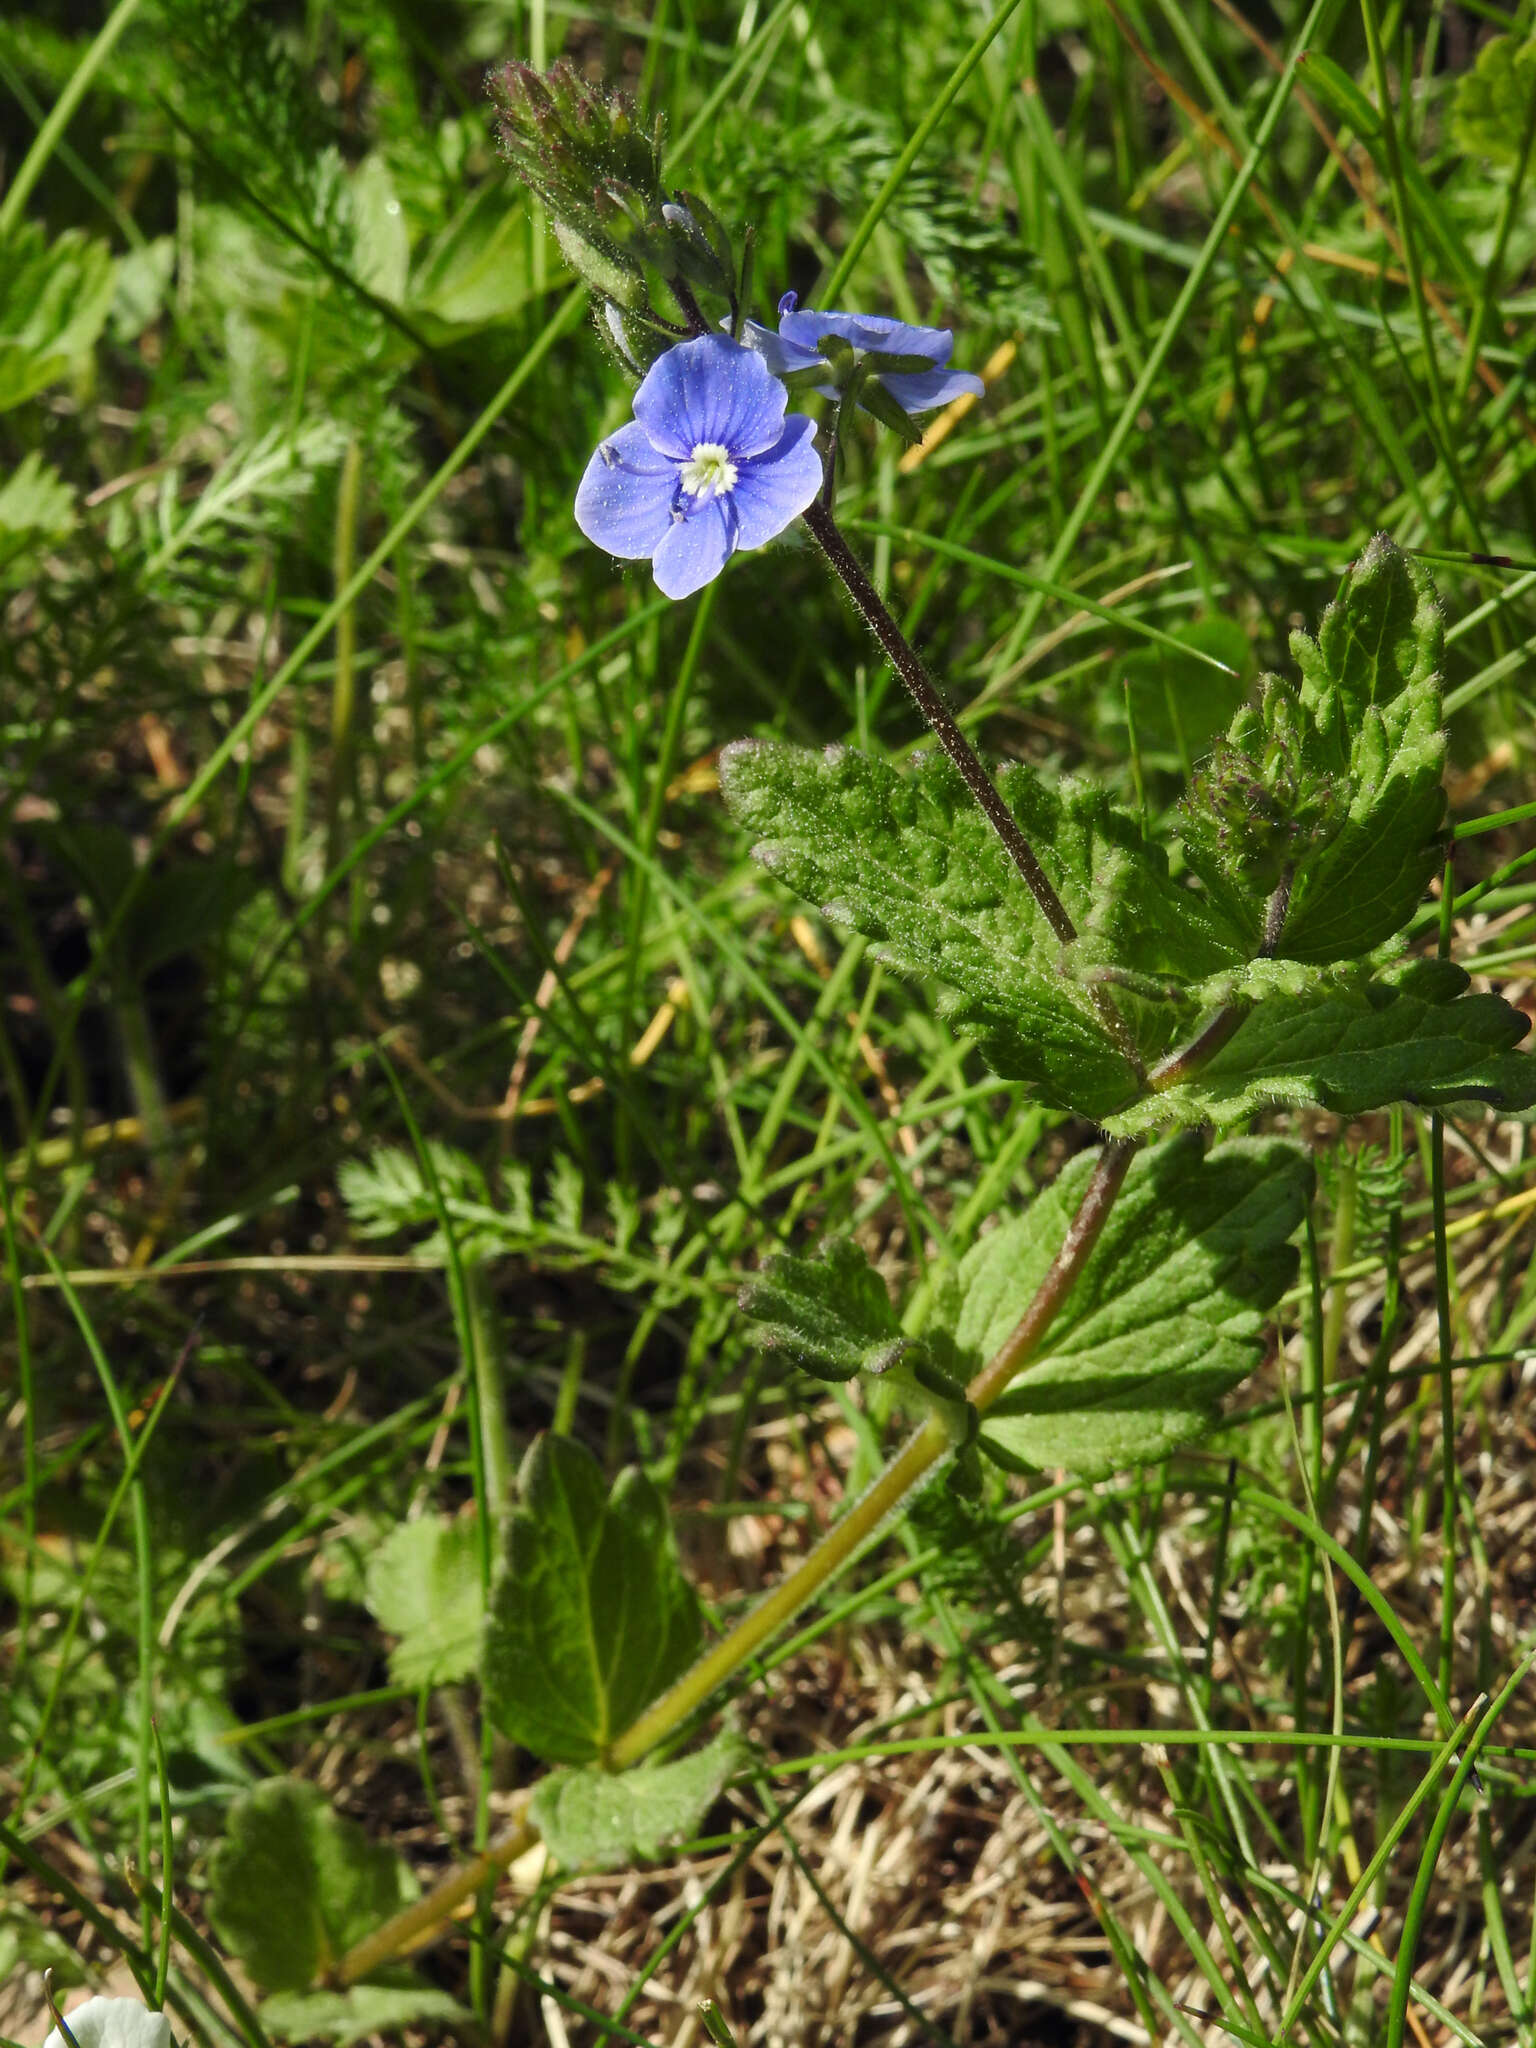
{"x": 1166, "y": 989}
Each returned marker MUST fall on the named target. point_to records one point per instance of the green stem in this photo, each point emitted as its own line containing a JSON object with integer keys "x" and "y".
{"x": 48, "y": 137}
{"x": 1446, "y": 1334}
{"x": 913, "y": 1465}
{"x": 344, "y": 682}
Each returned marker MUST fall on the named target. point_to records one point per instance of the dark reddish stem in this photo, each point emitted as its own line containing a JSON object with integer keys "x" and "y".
{"x": 904, "y": 658}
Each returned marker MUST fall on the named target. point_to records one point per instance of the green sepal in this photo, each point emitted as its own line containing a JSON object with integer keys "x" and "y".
{"x": 872, "y": 396}
{"x": 599, "y": 261}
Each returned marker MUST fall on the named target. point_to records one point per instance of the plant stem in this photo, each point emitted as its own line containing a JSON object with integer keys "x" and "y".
{"x": 913, "y": 1464}
{"x": 1208, "y": 1041}
{"x": 1082, "y": 1235}
{"x": 851, "y": 574}
{"x": 904, "y": 658}
{"x": 48, "y": 137}
{"x": 406, "y": 1929}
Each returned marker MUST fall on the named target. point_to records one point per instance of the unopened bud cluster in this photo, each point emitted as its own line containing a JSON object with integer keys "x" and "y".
{"x": 595, "y": 164}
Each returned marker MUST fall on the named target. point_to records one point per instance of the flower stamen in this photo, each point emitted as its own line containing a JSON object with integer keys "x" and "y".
{"x": 709, "y": 471}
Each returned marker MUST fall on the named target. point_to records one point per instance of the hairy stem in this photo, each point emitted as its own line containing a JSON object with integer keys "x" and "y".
{"x": 423, "y": 1918}
{"x": 914, "y": 1463}
{"x": 904, "y": 658}
{"x": 851, "y": 573}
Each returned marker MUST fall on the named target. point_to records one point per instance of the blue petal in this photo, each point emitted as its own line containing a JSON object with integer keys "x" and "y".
{"x": 924, "y": 389}
{"x": 869, "y": 331}
{"x": 624, "y": 501}
{"x": 696, "y": 549}
{"x": 780, "y": 355}
{"x": 711, "y": 390}
{"x": 778, "y": 486}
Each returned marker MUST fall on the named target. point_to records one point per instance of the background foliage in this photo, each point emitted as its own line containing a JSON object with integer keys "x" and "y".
{"x": 386, "y": 993}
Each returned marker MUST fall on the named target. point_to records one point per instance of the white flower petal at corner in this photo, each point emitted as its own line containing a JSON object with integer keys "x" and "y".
{"x": 114, "y": 2023}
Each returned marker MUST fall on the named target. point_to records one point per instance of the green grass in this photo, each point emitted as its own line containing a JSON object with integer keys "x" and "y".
{"x": 352, "y": 801}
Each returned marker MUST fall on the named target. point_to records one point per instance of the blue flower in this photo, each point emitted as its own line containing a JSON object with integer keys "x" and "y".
{"x": 794, "y": 348}
{"x": 708, "y": 465}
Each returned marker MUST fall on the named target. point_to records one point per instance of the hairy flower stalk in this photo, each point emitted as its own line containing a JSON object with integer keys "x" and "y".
{"x": 905, "y": 660}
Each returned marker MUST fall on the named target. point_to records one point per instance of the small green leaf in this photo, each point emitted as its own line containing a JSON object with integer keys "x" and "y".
{"x": 1166, "y": 1317}
{"x": 388, "y": 1192}
{"x": 55, "y": 294}
{"x": 475, "y": 273}
{"x": 1326, "y": 797}
{"x": 591, "y": 1616}
{"x": 1494, "y": 100}
{"x": 1382, "y": 635}
{"x": 1410, "y": 1038}
{"x": 294, "y": 1885}
{"x": 832, "y": 1314}
{"x": 37, "y": 508}
{"x": 354, "y": 2015}
{"x": 1180, "y": 703}
{"x": 599, "y": 1820}
{"x": 423, "y": 1585}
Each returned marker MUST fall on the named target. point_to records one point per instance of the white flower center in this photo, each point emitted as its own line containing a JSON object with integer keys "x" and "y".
{"x": 709, "y": 472}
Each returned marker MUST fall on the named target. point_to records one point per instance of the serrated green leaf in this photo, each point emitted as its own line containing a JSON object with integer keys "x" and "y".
{"x": 388, "y": 1192}
{"x": 832, "y": 1314}
{"x": 1494, "y": 99}
{"x": 1350, "y": 1050}
{"x": 1382, "y": 635}
{"x": 355, "y": 2014}
{"x": 602, "y": 1820}
{"x": 423, "y": 1585}
{"x": 55, "y": 294}
{"x": 909, "y": 860}
{"x": 1167, "y": 1315}
{"x": 37, "y": 508}
{"x": 1326, "y": 798}
{"x": 295, "y": 1885}
{"x": 591, "y": 1616}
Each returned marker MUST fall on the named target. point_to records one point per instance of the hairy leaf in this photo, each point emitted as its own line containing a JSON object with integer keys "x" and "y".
{"x": 1382, "y": 635}
{"x": 294, "y": 1885}
{"x": 1413, "y": 1037}
{"x": 910, "y": 861}
{"x": 1167, "y": 1315}
{"x": 591, "y": 1616}
{"x": 1317, "y": 825}
{"x": 423, "y": 1585}
{"x": 601, "y": 1820}
{"x": 832, "y": 1314}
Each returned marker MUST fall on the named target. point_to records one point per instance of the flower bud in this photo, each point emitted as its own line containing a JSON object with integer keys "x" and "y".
{"x": 605, "y": 267}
